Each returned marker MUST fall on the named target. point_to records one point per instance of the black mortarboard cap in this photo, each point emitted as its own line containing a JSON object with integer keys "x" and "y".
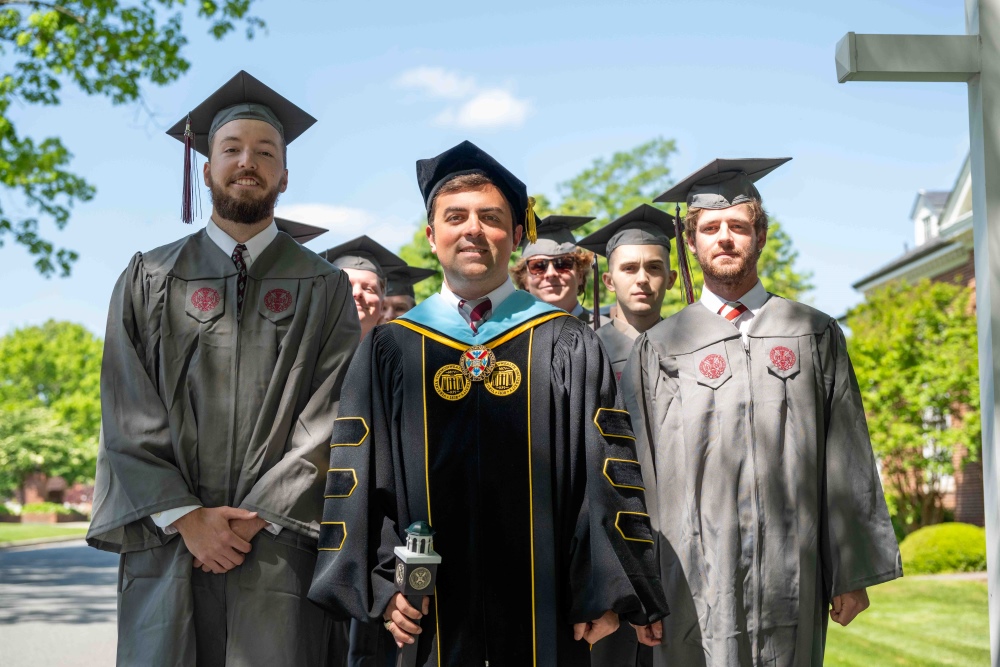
{"x": 643, "y": 225}
{"x": 467, "y": 158}
{"x": 555, "y": 235}
{"x": 722, "y": 183}
{"x": 299, "y": 231}
{"x": 400, "y": 282}
{"x": 242, "y": 97}
{"x": 365, "y": 254}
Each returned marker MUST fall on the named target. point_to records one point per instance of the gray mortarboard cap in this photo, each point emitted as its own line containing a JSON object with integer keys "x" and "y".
{"x": 400, "y": 282}
{"x": 644, "y": 225}
{"x": 467, "y": 158}
{"x": 242, "y": 97}
{"x": 722, "y": 183}
{"x": 555, "y": 236}
{"x": 364, "y": 254}
{"x": 299, "y": 231}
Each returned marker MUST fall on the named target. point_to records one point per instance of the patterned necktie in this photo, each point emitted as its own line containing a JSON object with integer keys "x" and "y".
{"x": 476, "y": 315}
{"x": 241, "y": 279}
{"x": 732, "y": 312}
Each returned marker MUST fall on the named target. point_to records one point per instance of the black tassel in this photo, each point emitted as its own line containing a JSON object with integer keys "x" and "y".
{"x": 683, "y": 266}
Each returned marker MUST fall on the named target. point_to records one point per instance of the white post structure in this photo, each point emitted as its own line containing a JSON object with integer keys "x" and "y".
{"x": 973, "y": 58}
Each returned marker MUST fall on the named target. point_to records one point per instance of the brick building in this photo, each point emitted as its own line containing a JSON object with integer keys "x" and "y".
{"x": 942, "y": 224}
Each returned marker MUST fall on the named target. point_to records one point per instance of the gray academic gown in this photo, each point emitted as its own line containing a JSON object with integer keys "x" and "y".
{"x": 201, "y": 409}
{"x": 760, "y": 481}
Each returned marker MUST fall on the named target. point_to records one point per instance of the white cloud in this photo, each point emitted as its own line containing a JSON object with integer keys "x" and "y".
{"x": 475, "y": 108}
{"x": 489, "y": 109}
{"x": 345, "y": 223}
{"x": 437, "y": 82}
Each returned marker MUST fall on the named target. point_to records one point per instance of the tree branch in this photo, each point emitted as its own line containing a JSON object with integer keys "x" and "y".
{"x": 54, "y": 7}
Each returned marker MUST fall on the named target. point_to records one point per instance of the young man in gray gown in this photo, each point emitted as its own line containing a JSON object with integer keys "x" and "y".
{"x": 759, "y": 473}
{"x": 223, "y": 363}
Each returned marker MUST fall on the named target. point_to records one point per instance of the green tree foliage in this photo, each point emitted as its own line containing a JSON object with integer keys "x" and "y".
{"x": 418, "y": 253}
{"x": 914, "y": 352}
{"x": 103, "y": 47}
{"x": 35, "y": 440}
{"x": 611, "y": 187}
{"x": 50, "y": 384}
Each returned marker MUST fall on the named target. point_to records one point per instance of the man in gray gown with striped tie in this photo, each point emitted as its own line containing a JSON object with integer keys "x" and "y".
{"x": 759, "y": 474}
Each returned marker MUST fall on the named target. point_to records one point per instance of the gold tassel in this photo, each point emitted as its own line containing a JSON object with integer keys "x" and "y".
{"x": 529, "y": 218}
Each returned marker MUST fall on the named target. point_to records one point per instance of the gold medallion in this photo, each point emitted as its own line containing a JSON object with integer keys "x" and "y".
{"x": 504, "y": 380}
{"x": 477, "y": 363}
{"x": 450, "y": 383}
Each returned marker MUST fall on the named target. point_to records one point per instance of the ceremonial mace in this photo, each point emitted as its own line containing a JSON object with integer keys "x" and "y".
{"x": 416, "y": 572}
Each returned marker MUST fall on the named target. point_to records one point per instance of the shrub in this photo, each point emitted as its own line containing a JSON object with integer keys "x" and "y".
{"x": 6, "y": 511}
{"x": 945, "y": 547}
{"x": 45, "y": 508}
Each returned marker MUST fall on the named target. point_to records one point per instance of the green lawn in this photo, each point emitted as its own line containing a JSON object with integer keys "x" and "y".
{"x": 10, "y": 532}
{"x": 917, "y": 623}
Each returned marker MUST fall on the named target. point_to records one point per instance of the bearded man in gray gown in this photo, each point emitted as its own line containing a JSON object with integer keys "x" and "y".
{"x": 223, "y": 363}
{"x": 758, "y": 468}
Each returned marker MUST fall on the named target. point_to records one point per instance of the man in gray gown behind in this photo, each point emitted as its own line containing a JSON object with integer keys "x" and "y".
{"x": 223, "y": 363}
{"x": 758, "y": 468}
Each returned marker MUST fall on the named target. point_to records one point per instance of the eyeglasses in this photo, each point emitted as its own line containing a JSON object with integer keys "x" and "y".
{"x": 539, "y": 265}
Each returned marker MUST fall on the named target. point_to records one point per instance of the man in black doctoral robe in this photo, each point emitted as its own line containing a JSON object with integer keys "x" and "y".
{"x": 223, "y": 363}
{"x": 637, "y": 246}
{"x": 764, "y": 493}
{"x": 492, "y": 416}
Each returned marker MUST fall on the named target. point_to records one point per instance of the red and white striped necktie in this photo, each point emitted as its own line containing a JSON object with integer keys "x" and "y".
{"x": 732, "y": 310}
{"x": 476, "y": 315}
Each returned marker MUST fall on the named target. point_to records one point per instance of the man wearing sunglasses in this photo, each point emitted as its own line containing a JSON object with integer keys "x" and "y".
{"x": 554, "y": 269}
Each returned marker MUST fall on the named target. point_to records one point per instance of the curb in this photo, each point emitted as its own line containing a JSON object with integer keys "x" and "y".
{"x": 42, "y": 540}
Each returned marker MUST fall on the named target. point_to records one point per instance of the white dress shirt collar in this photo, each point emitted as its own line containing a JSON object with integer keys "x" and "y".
{"x": 754, "y": 299}
{"x": 255, "y": 246}
{"x": 496, "y": 297}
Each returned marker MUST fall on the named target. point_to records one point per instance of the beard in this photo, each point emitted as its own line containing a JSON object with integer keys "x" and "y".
{"x": 731, "y": 274}
{"x": 246, "y": 209}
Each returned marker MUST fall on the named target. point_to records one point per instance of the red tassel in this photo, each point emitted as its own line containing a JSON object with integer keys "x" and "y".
{"x": 683, "y": 266}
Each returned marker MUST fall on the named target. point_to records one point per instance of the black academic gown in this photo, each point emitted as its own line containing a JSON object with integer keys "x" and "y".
{"x": 529, "y": 479}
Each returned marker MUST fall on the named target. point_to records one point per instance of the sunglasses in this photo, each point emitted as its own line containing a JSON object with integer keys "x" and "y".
{"x": 538, "y": 266}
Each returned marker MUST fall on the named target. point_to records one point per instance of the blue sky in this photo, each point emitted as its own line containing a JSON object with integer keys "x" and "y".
{"x": 546, "y": 87}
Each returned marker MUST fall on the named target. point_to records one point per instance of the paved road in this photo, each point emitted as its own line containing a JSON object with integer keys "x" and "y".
{"x": 57, "y": 606}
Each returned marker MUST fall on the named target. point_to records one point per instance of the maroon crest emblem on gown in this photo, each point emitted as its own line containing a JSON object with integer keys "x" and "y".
{"x": 782, "y": 357}
{"x": 278, "y": 300}
{"x": 205, "y": 299}
{"x": 712, "y": 366}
